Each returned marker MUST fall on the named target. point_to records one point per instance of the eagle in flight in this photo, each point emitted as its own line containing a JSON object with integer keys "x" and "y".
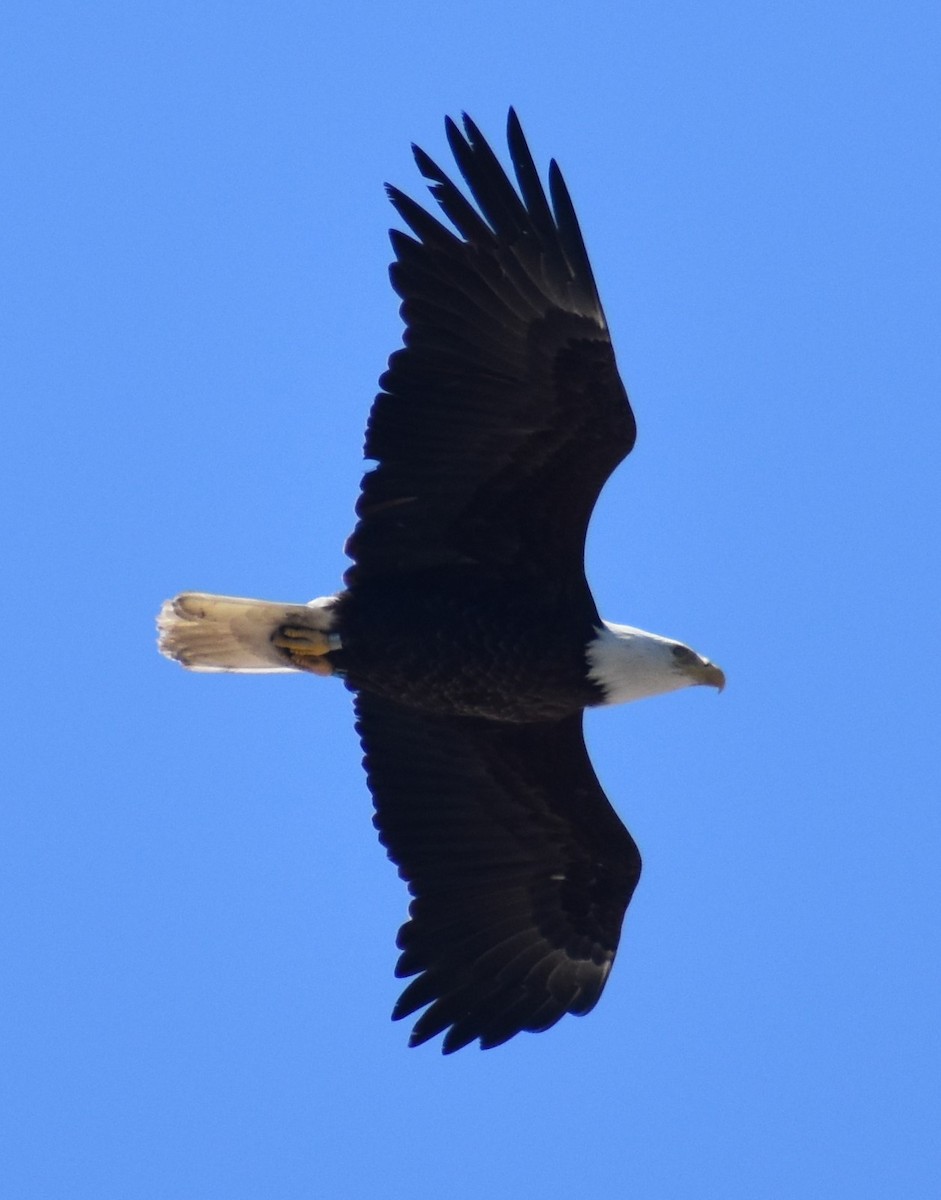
{"x": 466, "y": 628}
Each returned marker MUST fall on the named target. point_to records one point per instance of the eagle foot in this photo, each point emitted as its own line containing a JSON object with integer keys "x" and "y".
{"x": 305, "y": 648}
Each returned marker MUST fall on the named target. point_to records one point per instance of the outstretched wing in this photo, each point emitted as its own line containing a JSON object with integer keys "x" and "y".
{"x": 502, "y": 417}
{"x": 520, "y": 869}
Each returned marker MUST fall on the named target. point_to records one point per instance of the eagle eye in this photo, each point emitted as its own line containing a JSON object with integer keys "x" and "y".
{"x": 683, "y": 653}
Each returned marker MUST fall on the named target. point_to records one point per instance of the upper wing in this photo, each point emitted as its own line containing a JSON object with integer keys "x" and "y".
{"x": 502, "y": 417}
{"x": 520, "y": 869}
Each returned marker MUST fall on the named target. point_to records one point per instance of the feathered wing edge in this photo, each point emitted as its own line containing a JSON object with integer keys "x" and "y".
{"x": 519, "y": 868}
{"x": 546, "y": 242}
{"x": 503, "y": 414}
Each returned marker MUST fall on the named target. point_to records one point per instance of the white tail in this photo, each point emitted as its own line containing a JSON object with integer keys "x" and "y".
{"x": 226, "y": 633}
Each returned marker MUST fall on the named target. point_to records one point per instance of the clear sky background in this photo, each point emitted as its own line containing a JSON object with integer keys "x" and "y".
{"x": 198, "y": 921}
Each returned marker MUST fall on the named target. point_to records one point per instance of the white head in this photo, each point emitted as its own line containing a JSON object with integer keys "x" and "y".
{"x": 630, "y": 664}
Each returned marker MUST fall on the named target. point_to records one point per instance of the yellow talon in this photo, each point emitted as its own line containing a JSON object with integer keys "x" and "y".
{"x": 302, "y": 641}
{"x": 305, "y": 648}
{"x": 314, "y": 666}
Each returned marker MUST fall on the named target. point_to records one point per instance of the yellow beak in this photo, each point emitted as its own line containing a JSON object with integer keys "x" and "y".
{"x": 709, "y": 674}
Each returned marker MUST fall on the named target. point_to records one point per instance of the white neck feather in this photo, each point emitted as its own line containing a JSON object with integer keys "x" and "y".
{"x": 630, "y": 664}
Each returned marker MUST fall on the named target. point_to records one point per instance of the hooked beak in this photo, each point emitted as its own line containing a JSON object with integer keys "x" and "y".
{"x": 709, "y": 674}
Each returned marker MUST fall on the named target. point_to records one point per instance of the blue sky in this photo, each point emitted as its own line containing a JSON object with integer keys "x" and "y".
{"x": 198, "y": 923}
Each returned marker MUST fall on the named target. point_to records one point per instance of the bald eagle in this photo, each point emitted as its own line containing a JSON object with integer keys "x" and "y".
{"x": 466, "y": 628}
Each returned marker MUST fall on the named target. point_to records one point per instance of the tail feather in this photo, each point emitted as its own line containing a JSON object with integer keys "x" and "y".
{"x": 227, "y": 633}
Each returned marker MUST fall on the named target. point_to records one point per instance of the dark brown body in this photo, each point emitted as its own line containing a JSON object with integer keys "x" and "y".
{"x": 455, "y": 643}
